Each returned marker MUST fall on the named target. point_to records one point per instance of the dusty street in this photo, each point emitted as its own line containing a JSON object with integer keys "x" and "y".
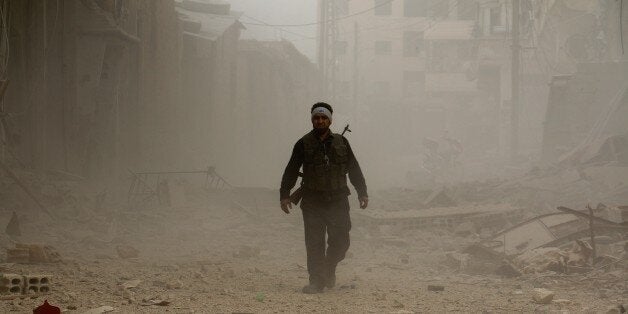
{"x": 213, "y": 257}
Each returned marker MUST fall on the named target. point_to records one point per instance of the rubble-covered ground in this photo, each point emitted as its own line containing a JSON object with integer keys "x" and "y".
{"x": 214, "y": 254}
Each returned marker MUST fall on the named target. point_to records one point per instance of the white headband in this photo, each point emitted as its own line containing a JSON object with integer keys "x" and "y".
{"x": 322, "y": 110}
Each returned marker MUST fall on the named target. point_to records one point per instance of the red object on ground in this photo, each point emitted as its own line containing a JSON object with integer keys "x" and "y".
{"x": 46, "y": 308}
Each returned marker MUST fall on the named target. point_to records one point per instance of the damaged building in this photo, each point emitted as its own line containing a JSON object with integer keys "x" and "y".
{"x": 142, "y": 144}
{"x": 81, "y": 95}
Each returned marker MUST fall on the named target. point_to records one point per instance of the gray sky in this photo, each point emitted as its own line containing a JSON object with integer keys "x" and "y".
{"x": 280, "y": 12}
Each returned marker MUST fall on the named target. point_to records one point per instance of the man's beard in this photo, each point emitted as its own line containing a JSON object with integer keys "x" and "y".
{"x": 320, "y": 131}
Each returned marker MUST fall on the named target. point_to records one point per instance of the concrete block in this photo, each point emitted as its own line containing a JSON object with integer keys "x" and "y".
{"x": 11, "y": 284}
{"x": 542, "y": 296}
{"x": 37, "y": 284}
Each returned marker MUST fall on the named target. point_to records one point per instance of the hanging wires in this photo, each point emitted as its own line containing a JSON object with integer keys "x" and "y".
{"x": 317, "y": 23}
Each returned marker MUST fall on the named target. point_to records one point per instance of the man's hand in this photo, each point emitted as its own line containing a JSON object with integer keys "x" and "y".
{"x": 286, "y": 205}
{"x": 364, "y": 202}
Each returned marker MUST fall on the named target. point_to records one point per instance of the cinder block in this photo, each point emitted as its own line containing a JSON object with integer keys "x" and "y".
{"x": 37, "y": 283}
{"x": 11, "y": 284}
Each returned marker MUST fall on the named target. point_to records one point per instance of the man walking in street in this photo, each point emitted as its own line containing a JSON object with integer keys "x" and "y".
{"x": 326, "y": 158}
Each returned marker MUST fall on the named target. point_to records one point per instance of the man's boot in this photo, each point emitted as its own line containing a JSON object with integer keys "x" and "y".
{"x": 312, "y": 289}
{"x": 330, "y": 276}
{"x": 317, "y": 284}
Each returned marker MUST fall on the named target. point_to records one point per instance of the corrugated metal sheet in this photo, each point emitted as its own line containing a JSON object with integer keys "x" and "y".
{"x": 451, "y": 30}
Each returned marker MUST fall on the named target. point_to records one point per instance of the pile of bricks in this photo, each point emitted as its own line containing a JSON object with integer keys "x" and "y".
{"x": 13, "y": 284}
{"x": 31, "y": 254}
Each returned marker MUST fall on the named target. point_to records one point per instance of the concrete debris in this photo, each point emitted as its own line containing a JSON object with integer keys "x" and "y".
{"x": 540, "y": 243}
{"x": 174, "y": 284}
{"x": 398, "y": 304}
{"x": 508, "y": 269}
{"x": 32, "y": 254}
{"x": 618, "y": 309}
{"x": 561, "y": 301}
{"x": 537, "y": 232}
{"x": 404, "y": 258}
{"x": 157, "y": 302}
{"x": 18, "y": 255}
{"x": 542, "y": 295}
{"x": 493, "y": 216}
{"x": 548, "y": 259}
{"x": 13, "y": 284}
{"x": 458, "y": 261}
{"x": 130, "y": 284}
{"x": 435, "y": 288}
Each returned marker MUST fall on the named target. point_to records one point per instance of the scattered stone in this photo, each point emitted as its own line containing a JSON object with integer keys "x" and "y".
{"x": 619, "y": 309}
{"x": 159, "y": 283}
{"x": 100, "y": 310}
{"x": 156, "y": 302}
{"x": 435, "y": 288}
{"x": 131, "y": 284}
{"x": 128, "y": 296}
{"x": 561, "y": 301}
{"x": 126, "y": 251}
{"x": 404, "y": 258}
{"x": 397, "y": 304}
{"x": 175, "y": 284}
{"x": 542, "y": 295}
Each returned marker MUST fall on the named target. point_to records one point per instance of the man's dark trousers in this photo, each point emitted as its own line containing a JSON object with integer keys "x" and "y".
{"x": 322, "y": 216}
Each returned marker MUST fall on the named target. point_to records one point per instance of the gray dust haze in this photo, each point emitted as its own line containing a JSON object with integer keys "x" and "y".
{"x": 143, "y": 142}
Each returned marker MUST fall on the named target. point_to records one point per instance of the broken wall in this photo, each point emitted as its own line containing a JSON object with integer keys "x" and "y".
{"x": 90, "y": 81}
{"x": 577, "y": 102}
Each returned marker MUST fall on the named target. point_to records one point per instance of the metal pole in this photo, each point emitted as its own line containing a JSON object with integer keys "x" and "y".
{"x": 356, "y": 76}
{"x": 322, "y": 44}
{"x": 515, "y": 84}
{"x": 331, "y": 45}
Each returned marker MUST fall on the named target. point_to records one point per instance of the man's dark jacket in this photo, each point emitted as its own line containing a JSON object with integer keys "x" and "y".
{"x": 297, "y": 159}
